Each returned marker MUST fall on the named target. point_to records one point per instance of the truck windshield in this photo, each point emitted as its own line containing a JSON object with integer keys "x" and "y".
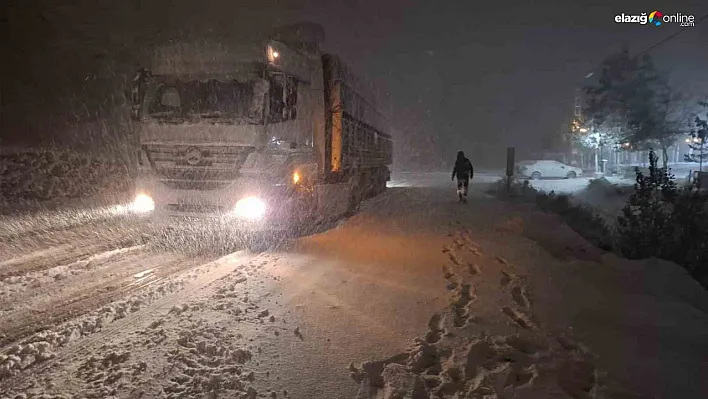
{"x": 198, "y": 99}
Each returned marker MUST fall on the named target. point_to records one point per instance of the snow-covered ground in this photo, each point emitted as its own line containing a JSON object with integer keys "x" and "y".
{"x": 573, "y": 186}
{"x": 442, "y": 179}
{"x": 417, "y": 296}
{"x": 438, "y": 179}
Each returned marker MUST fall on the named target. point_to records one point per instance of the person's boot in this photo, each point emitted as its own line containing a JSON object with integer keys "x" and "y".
{"x": 459, "y": 195}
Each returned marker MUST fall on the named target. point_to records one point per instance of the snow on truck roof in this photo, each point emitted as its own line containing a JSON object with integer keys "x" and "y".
{"x": 225, "y": 56}
{"x": 207, "y": 58}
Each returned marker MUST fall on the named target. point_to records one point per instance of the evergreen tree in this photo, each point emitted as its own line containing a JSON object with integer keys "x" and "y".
{"x": 697, "y": 138}
{"x": 664, "y": 221}
{"x": 646, "y": 219}
{"x": 632, "y": 102}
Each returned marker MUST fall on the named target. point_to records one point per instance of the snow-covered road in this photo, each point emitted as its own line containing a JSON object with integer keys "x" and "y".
{"x": 507, "y": 302}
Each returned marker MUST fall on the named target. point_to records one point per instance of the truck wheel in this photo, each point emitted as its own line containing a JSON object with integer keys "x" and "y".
{"x": 383, "y": 179}
{"x": 571, "y": 175}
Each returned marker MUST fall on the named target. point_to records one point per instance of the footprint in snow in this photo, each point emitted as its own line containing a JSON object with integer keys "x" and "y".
{"x": 454, "y": 258}
{"x": 518, "y": 294}
{"x": 503, "y": 261}
{"x": 447, "y": 272}
{"x": 507, "y": 278}
{"x": 474, "y": 251}
{"x": 435, "y": 329}
{"x": 518, "y": 317}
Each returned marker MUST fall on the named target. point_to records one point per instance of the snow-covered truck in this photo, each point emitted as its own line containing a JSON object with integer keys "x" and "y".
{"x": 270, "y": 134}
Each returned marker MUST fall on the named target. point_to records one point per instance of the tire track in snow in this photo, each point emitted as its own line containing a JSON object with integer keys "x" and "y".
{"x": 24, "y": 322}
{"x": 42, "y": 253}
{"x": 23, "y": 289}
{"x": 195, "y": 279}
{"x": 41, "y": 223}
{"x": 65, "y": 254}
{"x": 25, "y": 292}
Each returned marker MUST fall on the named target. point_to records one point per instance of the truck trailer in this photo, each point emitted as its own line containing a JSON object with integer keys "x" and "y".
{"x": 266, "y": 134}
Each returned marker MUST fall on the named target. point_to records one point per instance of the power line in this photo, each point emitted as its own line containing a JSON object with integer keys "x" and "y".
{"x": 666, "y": 39}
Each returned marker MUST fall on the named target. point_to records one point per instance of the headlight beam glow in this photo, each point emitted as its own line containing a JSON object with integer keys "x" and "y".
{"x": 143, "y": 203}
{"x": 250, "y": 208}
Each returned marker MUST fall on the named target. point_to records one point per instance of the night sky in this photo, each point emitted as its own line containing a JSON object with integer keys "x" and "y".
{"x": 455, "y": 75}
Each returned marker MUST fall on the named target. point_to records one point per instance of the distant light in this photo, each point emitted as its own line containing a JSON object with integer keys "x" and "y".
{"x": 296, "y": 178}
{"x": 583, "y": 130}
{"x": 688, "y": 140}
{"x": 276, "y": 54}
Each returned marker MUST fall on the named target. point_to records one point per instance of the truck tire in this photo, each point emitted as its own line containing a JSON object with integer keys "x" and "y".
{"x": 377, "y": 182}
{"x": 383, "y": 180}
{"x": 357, "y": 194}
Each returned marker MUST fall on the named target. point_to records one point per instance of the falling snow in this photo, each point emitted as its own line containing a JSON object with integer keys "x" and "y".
{"x": 443, "y": 301}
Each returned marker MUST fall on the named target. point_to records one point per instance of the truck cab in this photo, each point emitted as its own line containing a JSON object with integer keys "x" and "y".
{"x": 266, "y": 133}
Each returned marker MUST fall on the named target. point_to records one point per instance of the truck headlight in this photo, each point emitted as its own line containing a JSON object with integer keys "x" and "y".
{"x": 250, "y": 208}
{"x": 143, "y": 203}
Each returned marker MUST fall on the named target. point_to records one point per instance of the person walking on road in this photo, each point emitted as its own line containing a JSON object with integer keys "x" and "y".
{"x": 464, "y": 172}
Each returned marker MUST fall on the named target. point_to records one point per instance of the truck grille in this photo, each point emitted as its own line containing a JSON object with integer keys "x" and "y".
{"x": 196, "y": 167}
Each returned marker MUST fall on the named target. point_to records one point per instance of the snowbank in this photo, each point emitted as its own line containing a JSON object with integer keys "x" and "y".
{"x": 53, "y": 177}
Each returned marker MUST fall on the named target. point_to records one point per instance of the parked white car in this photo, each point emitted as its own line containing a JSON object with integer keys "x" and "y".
{"x": 547, "y": 169}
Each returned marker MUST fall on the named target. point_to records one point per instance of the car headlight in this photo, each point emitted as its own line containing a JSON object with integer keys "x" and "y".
{"x": 143, "y": 203}
{"x": 250, "y": 208}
